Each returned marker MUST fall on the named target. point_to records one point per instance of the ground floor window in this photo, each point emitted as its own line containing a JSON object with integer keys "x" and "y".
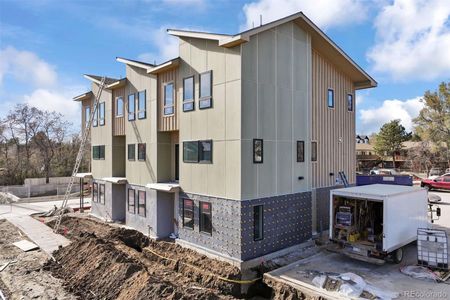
{"x": 131, "y": 201}
{"x": 101, "y": 197}
{"x": 258, "y": 222}
{"x": 205, "y": 217}
{"x": 188, "y": 213}
{"x": 95, "y": 192}
{"x": 141, "y": 204}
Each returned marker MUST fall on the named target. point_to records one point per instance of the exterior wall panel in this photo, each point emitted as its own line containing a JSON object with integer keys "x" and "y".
{"x": 118, "y": 122}
{"x": 169, "y": 122}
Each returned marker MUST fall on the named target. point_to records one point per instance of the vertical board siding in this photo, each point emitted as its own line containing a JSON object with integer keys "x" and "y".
{"x": 118, "y": 123}
{"x": 331, "y": 124}
{"x": 167, "y": 123}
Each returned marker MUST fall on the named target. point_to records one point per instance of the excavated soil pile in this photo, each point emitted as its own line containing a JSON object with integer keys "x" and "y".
{"x": 105, "y": 262}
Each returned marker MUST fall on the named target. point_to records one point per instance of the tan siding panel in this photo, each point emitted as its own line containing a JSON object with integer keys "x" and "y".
{"x": 167, "y": 123}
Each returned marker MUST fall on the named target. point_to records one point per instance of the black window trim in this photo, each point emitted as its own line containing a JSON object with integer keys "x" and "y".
{"x": 131, "y": 113}
{"x": 145, "y": 105}
{"x": 145, "y": 152}
{"x": 262, "y": 151}
{"x": 134, "y": 201}
{"x": 198, "y": 161}
{"x": 350, "y": 108}
{"x": 314, "y": 159}
{"x": 193, "y": 214}
{"x": 173, "y": 99}
{"x": 210, "y": 97}
{"x": 328, "y": 102}
{"x": 184, "y": 158}
{"x": 100, "y": 200}
{"x": 262, "y": 223}
{"x": 139, "y": 203}
{"x": 102, "y": 121}
{"x": 95, "y": 192}
{"x": 201, "y": 225}
{"x": 117, "y": 107}
{"x": 302, "y": 158}
{"x": 100, "y": 156}
{"x": 128, "y": 152}
{"x": 187, "y": 101}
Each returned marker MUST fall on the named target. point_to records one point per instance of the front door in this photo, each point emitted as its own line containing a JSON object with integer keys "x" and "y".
{"x": 177, "y": 161}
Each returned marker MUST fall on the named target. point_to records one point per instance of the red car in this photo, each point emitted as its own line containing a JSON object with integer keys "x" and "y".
{"x": 440, "y": 183}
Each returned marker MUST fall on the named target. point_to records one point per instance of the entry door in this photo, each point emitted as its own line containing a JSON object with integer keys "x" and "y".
{"x": 177, "y": 161}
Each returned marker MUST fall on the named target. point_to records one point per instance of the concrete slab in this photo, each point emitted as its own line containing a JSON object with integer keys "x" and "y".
{"x": 25, "y": 245}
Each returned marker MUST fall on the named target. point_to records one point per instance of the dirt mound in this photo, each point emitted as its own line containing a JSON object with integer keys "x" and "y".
{"x": 117, "y": 263}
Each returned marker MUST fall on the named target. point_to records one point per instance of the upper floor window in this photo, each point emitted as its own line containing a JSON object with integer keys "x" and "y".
{"x": 98, "y": 152}
{"x": 101, "y": 114}
{"x": 141, "y": 152}
{"x": 190, "y": 151}
{"x": 205, "y": 151}
{"x": 300, "y": 151}
{"x": 87, "y": 115}
{"x": 188, "y": 93}
{"x": 119, "y": 107}
{"x": 168, "y": 99}
{"x": 205, "y": 99}
{"x": 197, "y": 151}
{"x": 131, "y": 151}
{"x": 131, "y": 108}
{"x": 313, "y": 151}
{"x": 258, "y": 149}
{"x": 95, "y": 119}
{"x": 142, "y": 105}
{"x": 330, "y": 98}
{"x": 350, "y": 102}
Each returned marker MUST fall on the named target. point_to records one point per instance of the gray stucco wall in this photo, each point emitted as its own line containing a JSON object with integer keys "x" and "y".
{"x": 118, "y": 205}
{"x": 114, "y": 207}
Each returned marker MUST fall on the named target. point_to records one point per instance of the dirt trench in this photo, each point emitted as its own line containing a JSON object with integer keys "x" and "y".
{"x": 107, "y": 262}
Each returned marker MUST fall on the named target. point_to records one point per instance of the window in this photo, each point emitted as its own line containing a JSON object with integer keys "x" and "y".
{"x": 350, "y": 102}
{"x": 142, "y": 105}
{"x": 190, "y": 152}
{"x": 131, "y": 152}
{"x": 205, "y": 151}
{"x": 95, "y": 192}
{"x": 258, "y": 151}
{"x": 101, "y": 114}
{"x": 258, "y": 222}
{"x": 188, "y": 93}
{"x": 101, "y": 195}
{"x": 98, "y": 152}
{"x": 119, "y": 107}
{"x": 95, "y": 119}
{"x": 447, "y": 179}
{"x": 313, "y": 151}
{"x": 330, "y": 98}
{"x": 131, "y": 108}
{"x": 131, "y": 201}
{"x": 168, "y": 99}
{"x": 300, "y": 151}
{"x": 141, "y": 152}
{"x": 188, "y": 213}
{"x": 141, "y": 204}
{"x": 87, "y": 115}
{"x": 205, "y": 217}
{"x": 205, "y": 100}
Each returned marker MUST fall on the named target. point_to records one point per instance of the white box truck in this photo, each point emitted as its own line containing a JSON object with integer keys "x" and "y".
{"x": 373, "y": 222}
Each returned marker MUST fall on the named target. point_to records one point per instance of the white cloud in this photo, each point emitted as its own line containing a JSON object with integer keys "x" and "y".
{"x": 412, "y": 40}
{"x": 324, "y": 13}
{"x": 405, "y": 110}
{"x": 198, "y": 3}
{"x": 166, "y": 47}
{"x": 26, "y": 66}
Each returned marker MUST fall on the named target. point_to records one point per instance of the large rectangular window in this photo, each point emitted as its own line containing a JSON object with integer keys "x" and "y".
{"x": 190, "y": 152}
{"x": 141, "y": 204}
{"x": 101, "y": 194}
{"x": 131, "y": 201}
{"x": 101, "y": 114}
{"x": 141, "y": 152}
{"x": 205, "y": 217}
{"x": 87, "y": 115}
{"x": 95, "y": 192}
{"x": 188, "y": 213}
{"x": 119, "y": 107}
{"x": 168, "y": 99}
{"x": 205, "y": 151}
{"x": 330, "y": 98}
{"x": 131, "y": 152}
{"x": 95, "y": 119}
{"x": 313, "y": 151}
{"x": 300, "y": 151}
{"x": 258, "y": 151}
{"x": 205, "y": 99}
{"x": 350, "y": 102}
{"x": 142, "y": 105}
{"x": 131, "y": 107}
{"x": 258, "y": 222}
{"x": 188, "y": 93}
{"x": 98, "y": 152}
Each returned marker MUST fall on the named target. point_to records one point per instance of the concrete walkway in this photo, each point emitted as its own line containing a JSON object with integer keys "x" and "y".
{"x": 39, "y": 233}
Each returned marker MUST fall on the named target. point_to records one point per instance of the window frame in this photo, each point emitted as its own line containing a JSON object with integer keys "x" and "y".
{"x": 133, "y": 146}
{"x": 139, "y": 109}
{"x": 201, "y": 219}
{"x": 101, "y": 194}
{"x": 210, "y": 96}
{"x": 101, "y": 120}
{"x": 87, "y": 116}
{"x": 95, "y": 119}
{"x": 332, "y": 98}
{"x": 184, "y": 156}
{"x": 192, "y": 210}
{"x": 166, "y": 106}
{"x": 95, "y": 192}
{"x": 100, "y": 149}
{"x": 144, "y": 206}
{"x": 200, "y": 151}
{"x": 350, "y": 105}
{"x": 189, "y": 101}
{"x": 300, "y": 150}
{"x": 145, "y": 151}
{"x": 119, "y": 114}
{"x": 131, "y": 114}
{"x": 134, "y": 201}
{"x": 258, "y": 236}
{"x": 255, "y": 161}
{"x": 314, "y": 151}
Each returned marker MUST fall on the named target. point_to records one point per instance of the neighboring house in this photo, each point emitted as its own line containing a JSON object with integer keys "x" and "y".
{"x": 361, "y": 139}
{"x": 234, "y": 145}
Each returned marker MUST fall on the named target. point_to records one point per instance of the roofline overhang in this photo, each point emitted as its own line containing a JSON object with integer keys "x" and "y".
{"x": 118, "y": 84}
{"x": 91, "y": 78}
{"x": 134, "y": 63}
{"x": 168, "y": 65}
{"x": 82, "y": 97}
{"x": 198, "y": 34}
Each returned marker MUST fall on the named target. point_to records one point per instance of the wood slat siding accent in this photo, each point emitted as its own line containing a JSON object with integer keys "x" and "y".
{"x": 118, "y": 123}
{"x": 329, "y": 124}
{"x": 168, "y": 123}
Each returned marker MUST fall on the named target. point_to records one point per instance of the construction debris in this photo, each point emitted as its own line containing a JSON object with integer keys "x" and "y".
{"x": 25, "y": 245}
{"x": 7, "y": 264}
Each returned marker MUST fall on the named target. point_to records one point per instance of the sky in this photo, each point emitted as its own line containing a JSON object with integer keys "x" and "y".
{"x": 46, "y": 45}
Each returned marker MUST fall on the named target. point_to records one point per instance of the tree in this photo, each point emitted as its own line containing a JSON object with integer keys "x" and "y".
{"x": 433, "y": 122}
{"x": 389, "y": 141}
{"x": 425, "y": 155}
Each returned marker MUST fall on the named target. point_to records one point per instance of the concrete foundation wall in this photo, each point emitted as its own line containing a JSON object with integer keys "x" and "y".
{"x": 322, "y": 207}
{"x": 147, "y": 224}
{"x": 118, "y": 200}
{"x": 114, "y": 207}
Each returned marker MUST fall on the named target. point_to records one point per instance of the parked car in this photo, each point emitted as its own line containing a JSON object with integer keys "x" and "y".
{"x": 383, "y": 172}
{"x": 435, "y": 173}
{"x": 440, "y": 183}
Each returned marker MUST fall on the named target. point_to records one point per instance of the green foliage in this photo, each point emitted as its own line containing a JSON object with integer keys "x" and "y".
{"x": 389, "y": 140}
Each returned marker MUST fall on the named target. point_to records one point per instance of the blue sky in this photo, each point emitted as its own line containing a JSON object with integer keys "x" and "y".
{"x": 46, "y": 45}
